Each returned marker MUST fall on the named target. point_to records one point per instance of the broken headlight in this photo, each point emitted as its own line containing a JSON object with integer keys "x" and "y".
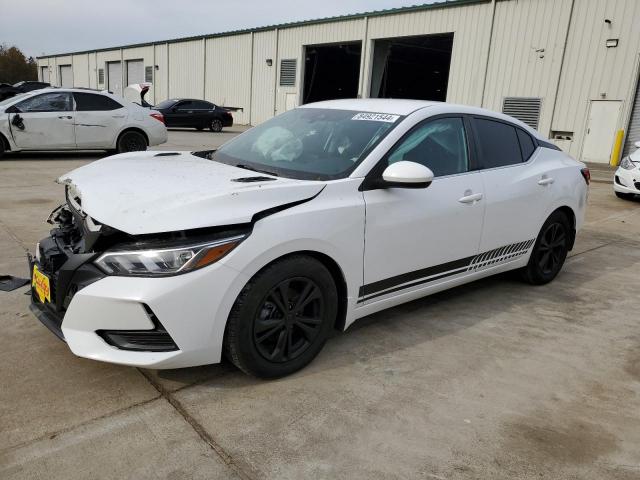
{"x": 165, "y": 261}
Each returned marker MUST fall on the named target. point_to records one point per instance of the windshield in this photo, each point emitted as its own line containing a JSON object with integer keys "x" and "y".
{"x": 308, "y": 143}
{"x": 13, "y": 99}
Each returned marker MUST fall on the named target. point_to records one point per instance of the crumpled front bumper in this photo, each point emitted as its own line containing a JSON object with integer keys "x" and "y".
{"x": 191, "y": 308}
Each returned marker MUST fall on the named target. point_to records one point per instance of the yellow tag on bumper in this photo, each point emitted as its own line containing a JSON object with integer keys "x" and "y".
{"x": 40, "y": 283}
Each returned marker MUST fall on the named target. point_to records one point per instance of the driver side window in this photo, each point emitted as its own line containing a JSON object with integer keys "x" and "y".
{"x": 47, "y": 102}
{"x": 440, "y": 145}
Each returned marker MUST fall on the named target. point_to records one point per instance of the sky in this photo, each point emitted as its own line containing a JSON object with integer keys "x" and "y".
{"x": 40, "y": 27}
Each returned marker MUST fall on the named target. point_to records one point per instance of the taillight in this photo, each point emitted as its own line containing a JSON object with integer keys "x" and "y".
{"x": 158, "y": 116}
{"x": 586, "y": 174}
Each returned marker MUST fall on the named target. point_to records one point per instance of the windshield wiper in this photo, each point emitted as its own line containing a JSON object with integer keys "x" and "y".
{"x": 247, "y": 167}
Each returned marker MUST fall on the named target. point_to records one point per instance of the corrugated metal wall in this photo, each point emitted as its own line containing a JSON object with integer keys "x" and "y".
{"x": 228, "y": 74}
{"x": 471, "y": 26}
{"x": 501, "y": 49}
{"x": 526, "y": 53}
{"x": 591, "y": 69}
{"x": 186, "y": 69}
{"x": 263, "y": 77}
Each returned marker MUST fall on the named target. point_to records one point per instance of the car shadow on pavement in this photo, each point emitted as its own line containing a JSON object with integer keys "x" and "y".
{"x": 60, "y": 155}
{"x": 382, "y": 333}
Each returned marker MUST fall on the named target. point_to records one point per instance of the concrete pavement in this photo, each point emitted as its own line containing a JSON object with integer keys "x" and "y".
{"x": 496, "y": 379}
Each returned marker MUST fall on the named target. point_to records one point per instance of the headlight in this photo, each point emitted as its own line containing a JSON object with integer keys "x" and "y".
{"x": 165, "y": 261}
{"x": 627, "y": 164}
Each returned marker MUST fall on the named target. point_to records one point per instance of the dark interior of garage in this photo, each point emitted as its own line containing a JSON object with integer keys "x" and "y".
{"x": 412, "y": 67}
{"x": 331, "y": 71}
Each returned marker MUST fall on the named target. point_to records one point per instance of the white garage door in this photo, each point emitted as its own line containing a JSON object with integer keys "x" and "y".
{"x": 66, "y": 76}
{"x": 633, "y": 131}
{"x": 135, "y": 71}
{"x": 114, "y": 77}
{"x": 44, "y": 75}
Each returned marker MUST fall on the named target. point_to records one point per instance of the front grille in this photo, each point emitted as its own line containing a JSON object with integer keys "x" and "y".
{"x": 637, "y": 185}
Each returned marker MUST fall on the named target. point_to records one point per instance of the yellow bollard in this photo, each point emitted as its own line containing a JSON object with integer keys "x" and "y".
{"x": 617, "y": 146}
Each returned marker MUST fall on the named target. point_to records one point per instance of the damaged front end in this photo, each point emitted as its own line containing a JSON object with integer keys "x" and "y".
{"x": 62, "y": 263}
{"x": 80, "y": 251}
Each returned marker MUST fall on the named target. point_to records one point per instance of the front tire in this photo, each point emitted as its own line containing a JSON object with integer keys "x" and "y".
{"x": 215, "y": 125}
{"x": 132, "y": 142}
{"x": 550, "y": 250}
{"x": 282, "y": 318}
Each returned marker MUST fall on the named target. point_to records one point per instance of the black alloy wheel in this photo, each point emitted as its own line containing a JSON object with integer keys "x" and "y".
{"x": 552, "y": 247}
{"x": 550, "y": 250}
{"x": 132, "y": 142}
{"x": 215, "y": 125}
{"x": 289, "y": 319}
{"x": 282, "y": 317}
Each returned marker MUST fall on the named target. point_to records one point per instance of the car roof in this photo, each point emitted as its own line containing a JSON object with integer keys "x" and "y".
{"x": 377, "y": 105}
{"x": 403, "y": 107}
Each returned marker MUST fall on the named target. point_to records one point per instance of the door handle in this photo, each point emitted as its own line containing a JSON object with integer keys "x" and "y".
{"x": 471, "y": 198}
{"x": 545, "y": 181}
{"x": 117, "y": 116}
{"x": 68, "y": 117}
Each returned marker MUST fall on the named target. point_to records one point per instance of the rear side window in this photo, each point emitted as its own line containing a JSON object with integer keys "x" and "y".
{"x": 186, "y": 105}
{"x": 201, "y": 105}
{"x": 47, "y": 102}
{"x": 89, "y": 102}
{"x": 499, "y": 145}
{"x": 526, "y": 144}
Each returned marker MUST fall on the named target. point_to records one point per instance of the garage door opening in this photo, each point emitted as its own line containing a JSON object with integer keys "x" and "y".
{"x": 331, "y": 71}
{"x": 412, "y": 67}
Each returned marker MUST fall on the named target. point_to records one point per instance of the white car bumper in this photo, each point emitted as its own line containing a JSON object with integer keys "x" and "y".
{"x": 627, "y": 181}
{"x": 192, "y": 308}
{"x": 157, "y": 133}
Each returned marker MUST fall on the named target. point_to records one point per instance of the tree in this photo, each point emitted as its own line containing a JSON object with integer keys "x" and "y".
{"x": 14, "y": 66}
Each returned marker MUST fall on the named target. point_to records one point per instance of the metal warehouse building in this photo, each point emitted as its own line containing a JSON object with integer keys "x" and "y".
{"x": 569, "y": 68}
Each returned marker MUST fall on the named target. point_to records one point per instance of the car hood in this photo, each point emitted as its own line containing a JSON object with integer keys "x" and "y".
{"x": 153, "y": 192}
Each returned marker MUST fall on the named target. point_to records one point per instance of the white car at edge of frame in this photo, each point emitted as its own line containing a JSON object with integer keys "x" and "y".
{"x": 626, "y": 181}
{"x": 301, "y": 225}
{"x": 77, "y": 119}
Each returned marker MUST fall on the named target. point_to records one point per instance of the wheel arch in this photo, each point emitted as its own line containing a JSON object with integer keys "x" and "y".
{"x": 570, "y": 214}
{"x": 5, "y": 142}
{"x": 132, "y": 129}
{"x": 336, "y": 273}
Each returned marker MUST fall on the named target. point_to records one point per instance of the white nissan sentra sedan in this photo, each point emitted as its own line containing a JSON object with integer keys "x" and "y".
{"x": 77, "y": 119}
{"x": 299, "y": 226}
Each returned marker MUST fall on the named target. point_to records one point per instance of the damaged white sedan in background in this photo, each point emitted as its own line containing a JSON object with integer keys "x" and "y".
{"x": 77, "y": 119}
{"x": 297, "y": 227}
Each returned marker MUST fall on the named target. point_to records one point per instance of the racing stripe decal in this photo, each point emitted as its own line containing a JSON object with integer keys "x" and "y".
{"x": 464, "y": 265}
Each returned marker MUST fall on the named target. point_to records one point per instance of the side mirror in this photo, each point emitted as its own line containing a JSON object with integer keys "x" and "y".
{"x": 406, "y": 174}
{"x": 637, "y": 144}
{"x": 12, "y": 109}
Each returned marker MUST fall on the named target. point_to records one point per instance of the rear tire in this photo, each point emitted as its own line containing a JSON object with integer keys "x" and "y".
{"x": 282, "y": 318}
{"x": 215, "y": 125}
{"x": 1, "y": 147}
{"x": 550, "y": 250}
{"x": 625, "y": 196}
{"x": 132, "y": 141}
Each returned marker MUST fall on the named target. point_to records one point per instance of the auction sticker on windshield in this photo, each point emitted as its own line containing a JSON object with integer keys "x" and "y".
{"x": 40, "y": 283}
{"x": 376, "y": 117}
